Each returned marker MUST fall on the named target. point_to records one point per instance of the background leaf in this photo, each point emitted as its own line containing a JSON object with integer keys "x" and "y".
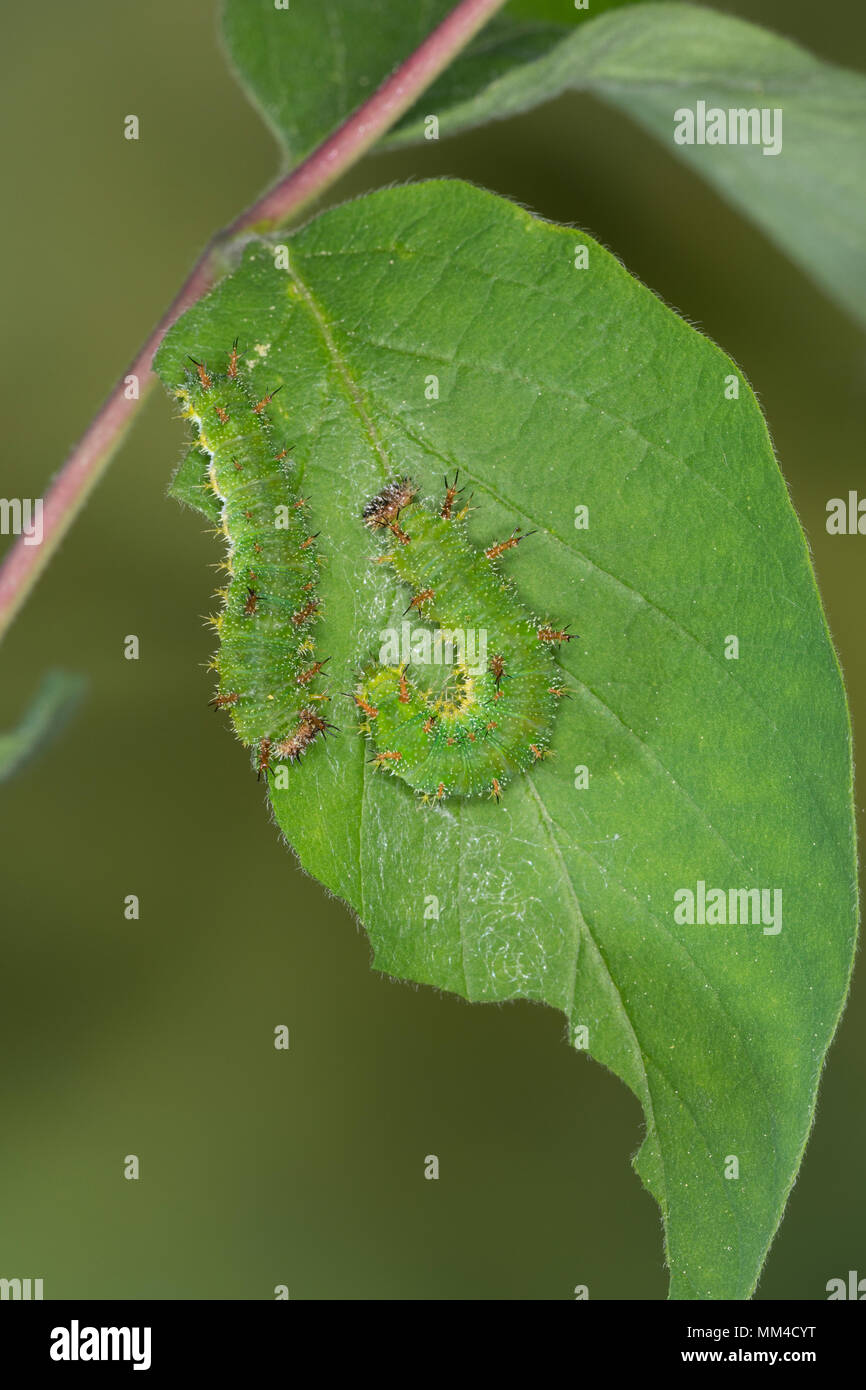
{"x": 810, "y": 198}
{"x": 561, "y": 387}
{"x": 648, "y": 60}
{"x": 308, "y": 67}
{"x": 51, "y": 707}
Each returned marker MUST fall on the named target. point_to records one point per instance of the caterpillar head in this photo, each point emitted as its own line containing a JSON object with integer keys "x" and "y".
{"x": 386, "y": 506}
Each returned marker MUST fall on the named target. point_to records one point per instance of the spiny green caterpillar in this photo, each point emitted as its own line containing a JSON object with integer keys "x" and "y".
{"x": 492, "y": 715}
{"x": 268, "y": 674}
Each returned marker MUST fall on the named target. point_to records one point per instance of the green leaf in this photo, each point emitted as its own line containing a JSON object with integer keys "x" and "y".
{"x": 49, "y": 710}
{"x": 656, "y": 59}
{"x": 561, "y": 387}
{"x": 188, "y": 485}
{"x": 307, "y": 67}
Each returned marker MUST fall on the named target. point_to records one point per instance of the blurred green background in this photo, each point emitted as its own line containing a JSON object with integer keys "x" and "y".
{"x": 155, "y": 1037}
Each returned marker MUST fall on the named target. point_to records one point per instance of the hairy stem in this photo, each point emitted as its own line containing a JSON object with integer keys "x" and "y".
{"x": 94, "y": 451}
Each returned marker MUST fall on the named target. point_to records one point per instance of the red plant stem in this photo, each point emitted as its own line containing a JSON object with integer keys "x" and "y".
{"x": 91, "y": 456}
